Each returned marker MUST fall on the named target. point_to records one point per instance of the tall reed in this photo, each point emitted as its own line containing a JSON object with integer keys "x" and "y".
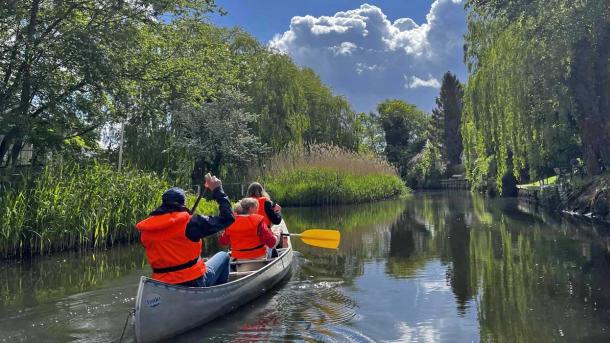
{"x": 67, "y": 207}
{"x": 326, "y": 174}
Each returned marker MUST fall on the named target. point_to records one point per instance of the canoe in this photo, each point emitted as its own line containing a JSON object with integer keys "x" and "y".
{"x": 163, "y": 310}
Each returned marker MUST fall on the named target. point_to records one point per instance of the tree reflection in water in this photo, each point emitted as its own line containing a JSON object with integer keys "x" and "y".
{"x": 511, "y": 272}
{"x": 530, "y": 275}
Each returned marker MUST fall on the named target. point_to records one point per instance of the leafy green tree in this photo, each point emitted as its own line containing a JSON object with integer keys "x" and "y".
{"x": 297, "y": 108}
{"x": 279, "y": 99}
{"x": 370, "y": 133}
{"x": 218, "y": 134}
{"x": 538, "y": 80}
{"x": 188, "y": 63}
{"x": 60, "y": 61}
{"x": 446, "y": 119}
{"x": 404, "y": 126}
{"x": 589, "y": 85}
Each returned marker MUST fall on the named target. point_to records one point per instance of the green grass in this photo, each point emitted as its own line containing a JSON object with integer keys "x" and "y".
{"x": 82, "y": 207}
{"x": 309, "y": 186}
{"x": 548, "y": 181}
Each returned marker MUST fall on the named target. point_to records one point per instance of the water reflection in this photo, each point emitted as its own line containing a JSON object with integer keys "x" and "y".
{"x": 526, "y": 274}
{"x": 435, "y": 267}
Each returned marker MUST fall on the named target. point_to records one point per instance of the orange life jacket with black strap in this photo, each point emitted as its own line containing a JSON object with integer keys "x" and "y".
{"x": 173, "y": 257}
{"x": 261, "y": 210}
{"x": 245, "y": 243}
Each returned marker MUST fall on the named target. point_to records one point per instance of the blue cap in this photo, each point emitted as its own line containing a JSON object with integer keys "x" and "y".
{"x": 174, "y": 195}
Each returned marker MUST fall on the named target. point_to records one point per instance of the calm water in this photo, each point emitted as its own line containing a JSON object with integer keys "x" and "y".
{"x": 435, "y": 267}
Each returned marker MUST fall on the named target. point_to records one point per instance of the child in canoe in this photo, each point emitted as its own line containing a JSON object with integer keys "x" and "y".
{"x": 249, "y": 236}
{"x": 266, "y": 208}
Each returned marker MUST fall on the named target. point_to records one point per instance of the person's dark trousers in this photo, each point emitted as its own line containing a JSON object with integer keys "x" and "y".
{"x": 217, "y": 272}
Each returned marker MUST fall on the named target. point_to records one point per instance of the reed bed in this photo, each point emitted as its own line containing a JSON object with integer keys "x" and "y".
{"x": 75, "y": 206}
{"x": 332, "y": 157}
{"x": 325, "y": 174}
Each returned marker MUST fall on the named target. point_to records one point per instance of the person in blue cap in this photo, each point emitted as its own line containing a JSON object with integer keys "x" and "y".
{"x": 171, "y": 236}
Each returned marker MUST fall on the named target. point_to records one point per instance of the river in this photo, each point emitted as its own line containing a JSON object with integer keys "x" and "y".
{"x": 436, "y": 267}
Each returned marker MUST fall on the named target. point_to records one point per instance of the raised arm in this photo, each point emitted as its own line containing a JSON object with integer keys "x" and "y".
{"x": 202, "y": 226}
{"x": 272, "y": 214}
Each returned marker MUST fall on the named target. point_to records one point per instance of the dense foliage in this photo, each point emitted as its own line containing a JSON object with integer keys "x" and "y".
{"x": 69, "y": 207}
{"x": 152, "y": 86}
{"x": 63, "y": 65}
{"x": 72, "y": 70}
{"x": 405, "y": 129}
{"x": 538, "y": 94}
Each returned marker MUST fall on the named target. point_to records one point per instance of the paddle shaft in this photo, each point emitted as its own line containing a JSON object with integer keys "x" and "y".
{"x": 206, "y": 177}
{"x": 299, "y": 235}
{"x": 197, "y": 201}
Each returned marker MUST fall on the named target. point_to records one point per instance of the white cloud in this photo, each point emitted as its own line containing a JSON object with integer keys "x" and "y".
{"x": 346, "y": 48}
{"x": 367, "y": 57}
{"x": 416, "y": 82}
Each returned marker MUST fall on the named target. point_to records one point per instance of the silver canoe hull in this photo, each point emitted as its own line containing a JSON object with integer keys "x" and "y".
{"x": 164, "y": 310}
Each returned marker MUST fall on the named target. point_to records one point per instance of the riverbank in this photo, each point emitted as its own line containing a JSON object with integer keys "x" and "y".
{"x": 93, "y": 206}
{"x": 585, "y": 197}
{"x": 471, "y": 254}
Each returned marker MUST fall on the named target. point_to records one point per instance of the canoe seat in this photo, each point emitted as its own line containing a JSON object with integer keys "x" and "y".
{"x": 238, "y": 275}
{"x": 238, "y": 262}
{"x": 249, "y": 265}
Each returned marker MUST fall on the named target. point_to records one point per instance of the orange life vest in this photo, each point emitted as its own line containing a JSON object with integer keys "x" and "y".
{"x": 173, "y": 257}
{"x": 245, "y": 243}
{"x": 261, "y": 210}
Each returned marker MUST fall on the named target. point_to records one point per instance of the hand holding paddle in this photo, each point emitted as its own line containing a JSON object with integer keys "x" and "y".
{"x": 210, "y": 182}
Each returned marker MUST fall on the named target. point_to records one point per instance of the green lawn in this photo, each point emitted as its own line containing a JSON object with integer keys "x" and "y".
{"x": 548, "y": 181}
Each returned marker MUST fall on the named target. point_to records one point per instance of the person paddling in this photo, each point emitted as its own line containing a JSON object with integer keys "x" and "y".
{"x": 266, "y": 208}
{"x": 172, "y": 237}
{"x": 249, "y": 236}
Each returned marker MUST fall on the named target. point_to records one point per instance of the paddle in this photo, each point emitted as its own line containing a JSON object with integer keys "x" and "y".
{"x": 206, "y": 177}
{"x": 328, "y": 239}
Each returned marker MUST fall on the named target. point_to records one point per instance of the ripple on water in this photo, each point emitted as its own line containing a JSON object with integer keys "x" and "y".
{"x": 303, "y": 309}
{"x": 315, "y": 303}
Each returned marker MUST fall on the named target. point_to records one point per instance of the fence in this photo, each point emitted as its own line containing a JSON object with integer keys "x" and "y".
{"x": 455, "y": 183}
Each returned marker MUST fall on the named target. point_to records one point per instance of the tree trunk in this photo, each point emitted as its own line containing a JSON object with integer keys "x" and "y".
{"x": 589, "y": 85}
{"x": 6, "y": 143}
{"x": 198, "y": 171}
{"x": 216, "y": 163}
{"x": 18, "y": 145}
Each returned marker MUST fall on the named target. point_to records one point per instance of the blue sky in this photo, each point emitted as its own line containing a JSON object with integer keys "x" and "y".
{"x": 266, "y": 18}
{"x": 367, "y": 51}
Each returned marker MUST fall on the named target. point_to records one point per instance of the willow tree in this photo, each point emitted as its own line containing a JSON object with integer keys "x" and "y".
{"x": 186, "y": 64}
{"x": 279, "y": 98}
{"x": 521, "y": 113}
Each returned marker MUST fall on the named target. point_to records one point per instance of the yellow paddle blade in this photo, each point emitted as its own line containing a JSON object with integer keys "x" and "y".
{"x": 328, "y": 239}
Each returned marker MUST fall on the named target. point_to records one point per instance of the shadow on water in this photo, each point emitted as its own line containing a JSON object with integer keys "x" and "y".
{"x": 434, "y": 267}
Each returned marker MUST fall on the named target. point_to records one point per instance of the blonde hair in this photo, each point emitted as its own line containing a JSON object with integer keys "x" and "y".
{"x": 256, "y": 190}
{"x": 245, "y": 205}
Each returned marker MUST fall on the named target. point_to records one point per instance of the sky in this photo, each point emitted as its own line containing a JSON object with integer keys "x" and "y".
{"x": 367, "y": 51}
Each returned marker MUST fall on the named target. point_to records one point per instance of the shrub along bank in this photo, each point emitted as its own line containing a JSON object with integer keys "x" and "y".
{"x": 77, "y": 207}
{"x": 324, "y": 174}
